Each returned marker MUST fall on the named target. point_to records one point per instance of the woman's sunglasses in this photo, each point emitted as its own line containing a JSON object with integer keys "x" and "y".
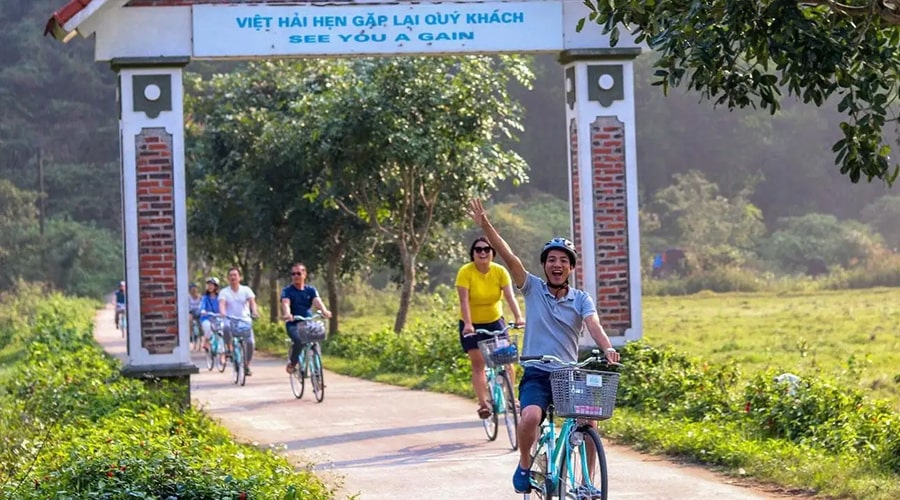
{"x": 482, "y": 249}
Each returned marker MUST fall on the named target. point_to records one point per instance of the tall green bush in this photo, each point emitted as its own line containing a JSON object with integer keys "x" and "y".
{"x": 72, "y": 427}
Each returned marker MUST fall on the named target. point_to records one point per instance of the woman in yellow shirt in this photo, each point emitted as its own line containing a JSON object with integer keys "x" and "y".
{"x": 481, "y": 284}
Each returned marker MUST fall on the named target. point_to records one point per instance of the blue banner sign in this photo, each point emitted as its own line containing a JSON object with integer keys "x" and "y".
{"x": 371, "y": 29}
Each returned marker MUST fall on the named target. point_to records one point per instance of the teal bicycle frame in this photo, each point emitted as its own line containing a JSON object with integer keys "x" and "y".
{"x": 557, "y": 446}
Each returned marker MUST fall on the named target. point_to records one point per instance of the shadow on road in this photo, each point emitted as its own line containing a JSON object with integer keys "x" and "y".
{"x": 403, "y": 456}
{"x": 378, "y": 433}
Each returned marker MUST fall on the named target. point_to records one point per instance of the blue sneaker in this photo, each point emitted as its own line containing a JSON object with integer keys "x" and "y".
{"x": 522, "y": 480}
{"x": 587, "y": 492}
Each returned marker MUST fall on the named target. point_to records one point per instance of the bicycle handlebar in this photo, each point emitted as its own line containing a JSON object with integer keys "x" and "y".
{"x": 494, "y": 333}
{"x": 596, "y": 357}
{"x": 316, "y": 315}
{"x": 238, "y": 318}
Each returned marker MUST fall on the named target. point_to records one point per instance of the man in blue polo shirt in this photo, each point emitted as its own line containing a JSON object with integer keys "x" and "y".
{"x": 299, "y": 299}
{"x": 555, "y": 314}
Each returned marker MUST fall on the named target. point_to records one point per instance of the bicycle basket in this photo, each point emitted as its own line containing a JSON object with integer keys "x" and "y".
{"x": 216, "y": 324}
{"x": 240, "y": 328}
{"x": 500, "y": 350}
{"x": 584, "y": 393}
{"x": 311, "y": 331}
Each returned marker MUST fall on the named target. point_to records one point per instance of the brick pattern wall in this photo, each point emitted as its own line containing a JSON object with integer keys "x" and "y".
{"x": 611, "y": 224}
{"x": 576, "y": 196}
{"x": 156, "y": 241}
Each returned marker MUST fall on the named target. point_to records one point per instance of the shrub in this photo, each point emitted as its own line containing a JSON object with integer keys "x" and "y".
{"x": 662, "y": 380}
{"x": 721, "y": 280}
{"x": 821, "y": 413}
{"x": 884, "y": 271}
{"x": 837, "y": 243}
{"x": 428, "y": 349}
{"x": 71, "y": 426}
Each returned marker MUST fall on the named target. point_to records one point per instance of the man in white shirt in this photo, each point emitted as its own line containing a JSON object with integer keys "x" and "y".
{"x": 238, "y": 301}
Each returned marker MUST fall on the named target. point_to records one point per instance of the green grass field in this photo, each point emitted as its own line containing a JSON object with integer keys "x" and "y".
{"x": 851, "y": 334}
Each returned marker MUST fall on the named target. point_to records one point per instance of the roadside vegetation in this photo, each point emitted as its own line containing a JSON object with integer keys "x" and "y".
{"x": 72, "y": 427}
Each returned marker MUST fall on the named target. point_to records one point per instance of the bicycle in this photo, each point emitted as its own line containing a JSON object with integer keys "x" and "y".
{"x": 196, "y": 332}
{"x": 561, "y": 464}
{"x": 240, "y": 330}
{"x": 123, "y": 320}
{"x": 498, "y": 352}
{"x": 215, "y": 353}
{"x": 310, "y": 362}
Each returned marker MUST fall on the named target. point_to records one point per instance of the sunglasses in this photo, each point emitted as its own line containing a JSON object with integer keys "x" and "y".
{"x": 297, "y": 274}
{"x": 482, "y": 249}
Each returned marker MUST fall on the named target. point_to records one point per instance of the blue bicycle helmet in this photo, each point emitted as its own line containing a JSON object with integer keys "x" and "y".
{"x": 560, "y": 244}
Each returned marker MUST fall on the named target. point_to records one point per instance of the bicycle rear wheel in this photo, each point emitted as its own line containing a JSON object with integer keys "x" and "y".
{"x": 315, "y": 374}
{"x": 196, "y": 337}
{"x": 298, "y": 379}
{"x": 490, "y": 423}
{"x": 580, "y": 477}
{"x": 508, "y": 407}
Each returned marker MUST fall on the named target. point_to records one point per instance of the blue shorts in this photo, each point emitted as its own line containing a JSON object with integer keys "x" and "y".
{"x": 535, "y": 389}
{"x": 470, "y": 342}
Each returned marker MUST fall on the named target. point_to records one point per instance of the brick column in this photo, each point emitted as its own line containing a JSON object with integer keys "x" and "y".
{"x": 603, "y": 187}
{"x": 156, "y": 241}
{"x": 151, "y": 127}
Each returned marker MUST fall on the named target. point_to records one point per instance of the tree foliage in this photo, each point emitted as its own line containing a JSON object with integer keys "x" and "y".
{"x": 883, "y": 215}
{"x": 745, "y": 54}
{"x": 713, "y": 229}
{"x": 251, "y": 177}
{"x": 819, "y": 236}
{"x": 406, "y": 142}
{"x": 74, "y": 257}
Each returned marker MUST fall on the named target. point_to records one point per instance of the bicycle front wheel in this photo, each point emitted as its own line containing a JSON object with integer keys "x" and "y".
{"x": 210, "y": 357}
{"x": 541, "y": 484}
{"x": 490, "y": 423}
{"x": 316, "y": 378}
{"x": 218, "y": 347}
{"x": 238, "y": 375}
{"x": 508, "y": 407}
{"x": 583, "y": 468}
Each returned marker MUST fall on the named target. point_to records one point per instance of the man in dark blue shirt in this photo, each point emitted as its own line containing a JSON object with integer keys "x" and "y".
{"x": 299, "y": 299}
{"x": 120, "y": 302}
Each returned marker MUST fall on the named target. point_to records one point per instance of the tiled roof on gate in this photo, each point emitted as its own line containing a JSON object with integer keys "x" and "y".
{"x": 63, "y": 15}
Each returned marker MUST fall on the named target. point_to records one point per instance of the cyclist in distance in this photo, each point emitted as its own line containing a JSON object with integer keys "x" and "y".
{"x": 194, "y": 299}
{"x": 238, "y": 301}
{"x": 555, "y": 313}
{"x": 120, "y": 302}
{"x": 209, "y": 306}
{"x": 481, "y": 284}
{"x": 299, "y": 299}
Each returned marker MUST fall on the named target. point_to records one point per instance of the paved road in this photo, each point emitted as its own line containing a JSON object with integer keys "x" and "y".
{"x": 380, "y": 442}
